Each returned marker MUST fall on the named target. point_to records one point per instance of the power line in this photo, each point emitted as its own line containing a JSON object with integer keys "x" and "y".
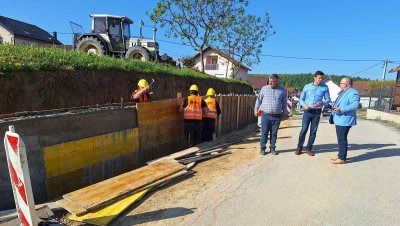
{"x": 311, "y": 58}
{"x": 64, "y": 33}
{"x": 176, "y": 43}
{"x": 171, "y": 52}
{"x": 367, "y": 69}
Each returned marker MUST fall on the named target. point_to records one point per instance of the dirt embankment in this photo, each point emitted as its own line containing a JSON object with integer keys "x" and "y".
{"x": 43, "y": 90}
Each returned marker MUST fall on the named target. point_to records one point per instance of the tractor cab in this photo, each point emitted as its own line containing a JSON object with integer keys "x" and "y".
{"x": 115, "y": 30}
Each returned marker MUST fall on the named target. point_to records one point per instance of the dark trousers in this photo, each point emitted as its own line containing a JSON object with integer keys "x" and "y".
{"x": 192, "y": 130}
{"x": 208, "y": 129}
{"x": 310, "y": 117}
{"x": 341, "y": 133}
{"x": 269, "y": 125}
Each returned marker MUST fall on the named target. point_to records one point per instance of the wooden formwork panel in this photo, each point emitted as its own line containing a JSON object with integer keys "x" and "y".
{"x": 232, "y": 105}
{"x": 160, "y": 126}
{"x": 233, "y": 108}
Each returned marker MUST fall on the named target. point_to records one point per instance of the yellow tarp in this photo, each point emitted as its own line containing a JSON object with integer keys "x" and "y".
{"x": 109, "y": 213}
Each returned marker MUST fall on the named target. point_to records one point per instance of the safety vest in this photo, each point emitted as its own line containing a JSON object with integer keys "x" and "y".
{"x": 193, "y": 109}
{"x": 142, "y": 98}
{"x": 212, "y": 106}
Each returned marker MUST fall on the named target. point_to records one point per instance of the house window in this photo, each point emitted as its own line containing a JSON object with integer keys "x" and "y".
{"x": 212, "y": 63}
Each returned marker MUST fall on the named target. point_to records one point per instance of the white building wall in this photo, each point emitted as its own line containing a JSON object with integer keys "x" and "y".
{"x": 222, "y": 64}
{"x": 5, "y": 36}
{"x": 242, "y": 74}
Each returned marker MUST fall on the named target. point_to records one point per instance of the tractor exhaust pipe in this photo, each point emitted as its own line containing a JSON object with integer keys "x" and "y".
{"x": 141, "y": 28}
{"x": 154, "y": 34}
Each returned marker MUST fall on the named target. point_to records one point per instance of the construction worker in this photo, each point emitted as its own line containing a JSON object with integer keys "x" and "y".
{"x": 208, "y": 128}
{"x": 141, "y": 94}
{"x": 193, "y": 107}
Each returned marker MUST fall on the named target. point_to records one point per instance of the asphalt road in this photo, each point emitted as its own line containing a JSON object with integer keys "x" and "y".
{"x": 295, "y": 190}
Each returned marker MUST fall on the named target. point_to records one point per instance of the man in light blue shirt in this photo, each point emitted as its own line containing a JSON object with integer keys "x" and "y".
{"x": 314, "y": 96}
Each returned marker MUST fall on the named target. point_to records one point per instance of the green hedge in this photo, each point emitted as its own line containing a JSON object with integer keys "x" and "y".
{"x": 33, "y": 58}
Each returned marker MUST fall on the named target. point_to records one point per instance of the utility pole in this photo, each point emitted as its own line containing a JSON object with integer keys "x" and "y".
{"x": 383, "y": 79}
{"x": 384, "y": 70}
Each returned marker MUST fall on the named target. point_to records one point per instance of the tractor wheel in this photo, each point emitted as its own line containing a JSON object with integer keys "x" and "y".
{"x": 138, "y": 53}
{"x": 91, "y": 45}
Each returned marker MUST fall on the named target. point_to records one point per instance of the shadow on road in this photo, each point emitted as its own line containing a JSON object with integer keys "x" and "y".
{"x": 322, "y": 148}
{"x": 286, "y": 127}
{"x": 158, "y": 215}
{"x": 380, "y": 153}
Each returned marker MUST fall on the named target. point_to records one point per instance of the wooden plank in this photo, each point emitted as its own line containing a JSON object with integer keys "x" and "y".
{"x": 238, "y": 108}
{"x": 220, "y": 101}
{"x": 159, "y": 104}
{"x": 70, "y": 206}
{"x": 102, "y": 193}
{"x": 105, "y": 192}
{"x": 233, "y": 113}
{"x": 109, "y": 213}
{"x": 245, "y": 111}
{"x": 165, "y": 180}
{"x": 226, "y": 115}
{"x": 242, "y": 111}
{"x": 180, "y": 154}
{"x": 106, "y": 215}
{"x": 204, "y": 157}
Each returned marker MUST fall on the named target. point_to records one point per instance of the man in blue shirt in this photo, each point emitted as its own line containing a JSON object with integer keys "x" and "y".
{"x": 313, "y": 97}
{"x": 272, "y": 101}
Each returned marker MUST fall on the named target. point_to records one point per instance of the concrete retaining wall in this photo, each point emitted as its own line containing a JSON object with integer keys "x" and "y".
{"x": 41, "y": 132}
{"x": 70, "y": 150}
{"x": 380, "y": 115}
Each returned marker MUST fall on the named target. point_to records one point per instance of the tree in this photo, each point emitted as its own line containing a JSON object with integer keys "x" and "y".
{"x": 188, "y": 62}
{"x": 195, "y": 20}
{"x": 242, "y": 38}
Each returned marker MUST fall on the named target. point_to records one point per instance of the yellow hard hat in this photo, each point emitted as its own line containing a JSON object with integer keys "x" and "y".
{"x": 210, "y": 92}
{"x": 142, "y": 83}
{"x": 194, "y": 88}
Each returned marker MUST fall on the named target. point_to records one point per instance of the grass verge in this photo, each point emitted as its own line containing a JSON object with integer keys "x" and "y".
{"x": 33, "y": 58}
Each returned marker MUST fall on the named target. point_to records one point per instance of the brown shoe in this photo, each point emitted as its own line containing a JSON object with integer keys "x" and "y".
{"x": 310, "y": 153}
{"x": 335, "y": 158}
{"x": 298, "y": 151}
{"x": 339, "y": 161}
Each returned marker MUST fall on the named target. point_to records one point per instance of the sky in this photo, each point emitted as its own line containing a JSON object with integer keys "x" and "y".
{"x": 342, "y": 29}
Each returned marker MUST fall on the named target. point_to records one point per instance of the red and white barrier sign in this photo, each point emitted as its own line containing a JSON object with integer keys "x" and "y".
{"x": 289, "y": 105}
{"x": 20, "y": 179}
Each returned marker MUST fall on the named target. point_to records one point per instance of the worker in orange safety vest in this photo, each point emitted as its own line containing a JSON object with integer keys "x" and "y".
{"x": 141, "y": 94}
{"x": 193, "y": 107}
{"x": 208, "y": 127}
